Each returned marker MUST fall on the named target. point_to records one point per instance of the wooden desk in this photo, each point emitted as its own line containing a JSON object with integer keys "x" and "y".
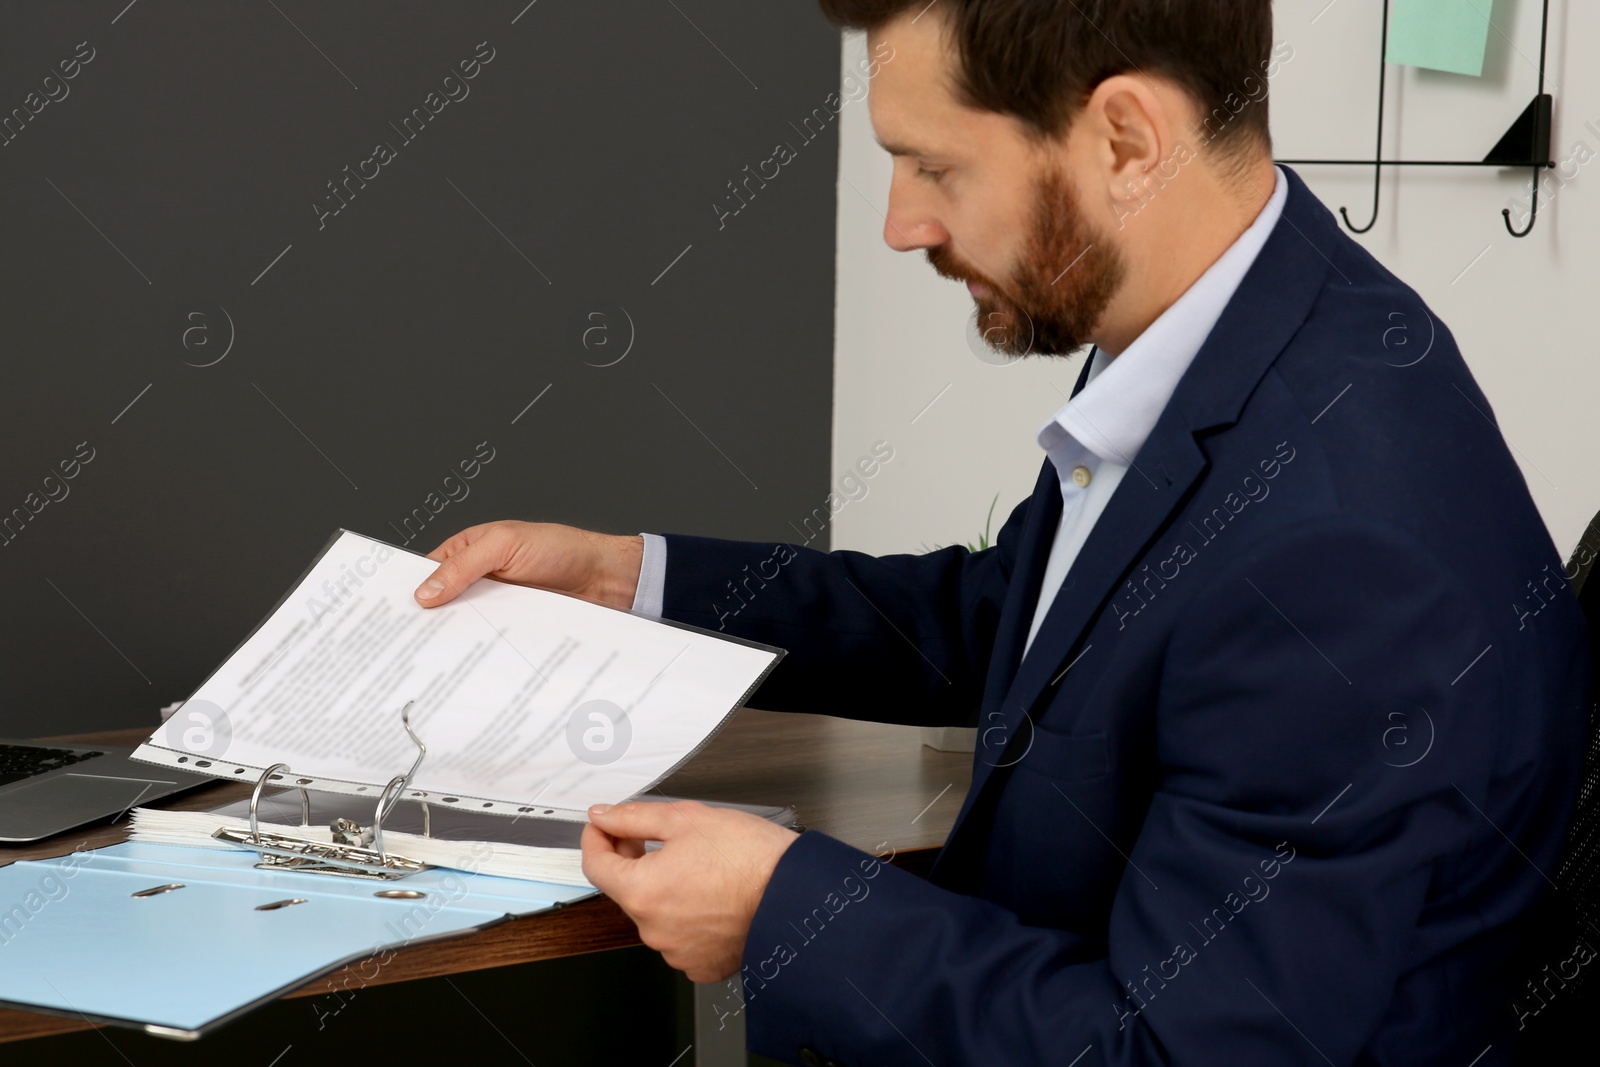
{"x": 870, "y": 785}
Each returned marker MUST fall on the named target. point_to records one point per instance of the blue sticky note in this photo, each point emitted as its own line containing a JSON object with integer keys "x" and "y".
{"x": 1446, "y": 35}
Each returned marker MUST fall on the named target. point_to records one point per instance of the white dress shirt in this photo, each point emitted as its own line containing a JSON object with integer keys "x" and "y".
{"x": 1102, "y": 428}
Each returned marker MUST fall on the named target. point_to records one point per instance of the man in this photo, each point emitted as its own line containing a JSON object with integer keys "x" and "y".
{"x": 1281, "y": 694}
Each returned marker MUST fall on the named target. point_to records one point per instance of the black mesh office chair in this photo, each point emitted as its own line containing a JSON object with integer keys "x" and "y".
{"x": 1558, "y": 987}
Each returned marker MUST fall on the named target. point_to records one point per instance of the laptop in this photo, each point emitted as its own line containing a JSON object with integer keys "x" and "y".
{"x": 47, "y": 789}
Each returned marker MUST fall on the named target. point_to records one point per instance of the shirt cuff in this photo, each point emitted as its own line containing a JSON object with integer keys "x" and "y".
{"x": 647, "y": 600}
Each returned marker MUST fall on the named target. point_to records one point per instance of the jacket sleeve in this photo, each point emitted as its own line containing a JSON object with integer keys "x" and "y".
{"x": 901, "y": 638}
{"x": 1325, "y": 774}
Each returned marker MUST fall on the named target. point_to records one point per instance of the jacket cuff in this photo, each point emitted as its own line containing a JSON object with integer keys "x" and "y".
{"x": 812, "y": 925}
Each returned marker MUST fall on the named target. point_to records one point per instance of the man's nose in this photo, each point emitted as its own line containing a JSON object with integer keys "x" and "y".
{"x": 908, "y": 226}
{"x": 909, "y": 234}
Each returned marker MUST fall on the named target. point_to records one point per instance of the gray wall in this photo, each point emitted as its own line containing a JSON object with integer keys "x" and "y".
{"x": 162, "y": 209}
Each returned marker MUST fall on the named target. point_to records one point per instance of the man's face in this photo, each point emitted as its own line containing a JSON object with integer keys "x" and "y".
{"x": 990, "y": 206}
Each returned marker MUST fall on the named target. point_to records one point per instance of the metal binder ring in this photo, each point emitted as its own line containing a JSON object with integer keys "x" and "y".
{"x": 255, "y": 799}
{"x": 405, "y": 779}
{"x": 399, "y": 784}
{"x": 398, "y": 781}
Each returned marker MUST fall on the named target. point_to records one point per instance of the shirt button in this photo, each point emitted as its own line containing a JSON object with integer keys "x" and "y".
{"x": 1081, "y": 476}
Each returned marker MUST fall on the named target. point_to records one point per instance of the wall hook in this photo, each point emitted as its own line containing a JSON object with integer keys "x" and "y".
{"x": 1377, "y": 155}
{"x": 1529, "y": 136}
{"x": 1345, "y": 214}
{"x": 1533, "y": 214}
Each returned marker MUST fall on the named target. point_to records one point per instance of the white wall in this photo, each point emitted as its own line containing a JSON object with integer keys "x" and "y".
{"x": 1523, "y": 313}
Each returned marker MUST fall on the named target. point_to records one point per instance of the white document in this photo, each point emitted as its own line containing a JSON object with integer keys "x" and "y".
{"x": 530, "y": 703}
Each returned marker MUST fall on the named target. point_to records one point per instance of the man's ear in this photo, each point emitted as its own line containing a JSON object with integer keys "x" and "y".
{"x": 1127, "y": 132}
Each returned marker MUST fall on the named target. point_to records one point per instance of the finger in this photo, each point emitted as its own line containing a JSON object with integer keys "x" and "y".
{"x": 483, "y": 550}
{"x": 603, "y": 863}
{"x": 643, "y": 820}
{"x": 627, "y": 847}
{"x": 456, "y": 543}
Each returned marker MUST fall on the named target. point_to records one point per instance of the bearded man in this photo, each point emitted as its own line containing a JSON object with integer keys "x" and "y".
{"x": 1273, "y": 762}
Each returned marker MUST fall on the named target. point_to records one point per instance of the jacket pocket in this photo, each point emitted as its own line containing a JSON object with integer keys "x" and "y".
{"x": 1067, "y": 757}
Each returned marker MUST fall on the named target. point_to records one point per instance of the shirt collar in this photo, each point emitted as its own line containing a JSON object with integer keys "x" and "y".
{"x": 1115, "y": 411}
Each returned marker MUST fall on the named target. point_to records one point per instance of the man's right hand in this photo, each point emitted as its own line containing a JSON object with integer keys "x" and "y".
{"x": 596, "y": 566}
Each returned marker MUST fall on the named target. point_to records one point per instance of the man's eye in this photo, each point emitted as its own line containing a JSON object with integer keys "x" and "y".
{"x": 934, "y": 176}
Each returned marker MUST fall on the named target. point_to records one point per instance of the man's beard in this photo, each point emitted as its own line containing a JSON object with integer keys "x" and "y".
{"x": 1062, "y": 283}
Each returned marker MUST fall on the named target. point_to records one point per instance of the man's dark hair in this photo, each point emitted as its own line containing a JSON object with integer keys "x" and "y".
{"x": 1039, "y": 60}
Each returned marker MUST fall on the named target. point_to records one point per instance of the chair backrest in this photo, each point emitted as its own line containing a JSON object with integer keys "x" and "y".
{"x": 1557, "y": 996}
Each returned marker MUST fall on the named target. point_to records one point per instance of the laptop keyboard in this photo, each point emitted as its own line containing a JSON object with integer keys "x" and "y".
{"x": 24, "y": 761}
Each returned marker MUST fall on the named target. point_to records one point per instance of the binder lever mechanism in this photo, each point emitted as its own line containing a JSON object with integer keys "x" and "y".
{"x": 356, "y": 851}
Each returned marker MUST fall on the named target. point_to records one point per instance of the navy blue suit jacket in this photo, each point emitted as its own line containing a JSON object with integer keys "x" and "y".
{"x": 1288, "y": 762}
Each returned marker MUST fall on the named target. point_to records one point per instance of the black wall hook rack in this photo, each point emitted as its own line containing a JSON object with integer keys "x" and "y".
{"x": 1525, "y": 144}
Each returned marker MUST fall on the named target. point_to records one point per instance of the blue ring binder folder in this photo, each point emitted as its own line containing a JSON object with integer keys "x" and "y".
{"x": 83, "y": 923}
{"x": 75, "y": 929}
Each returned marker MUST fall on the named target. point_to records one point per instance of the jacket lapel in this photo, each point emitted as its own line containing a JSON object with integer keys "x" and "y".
{"x": 1167, "y": 466}
{"x": 1022, "y": 595}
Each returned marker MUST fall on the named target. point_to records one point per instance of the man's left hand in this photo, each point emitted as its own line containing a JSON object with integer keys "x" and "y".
{"x": 693, "y": 898}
